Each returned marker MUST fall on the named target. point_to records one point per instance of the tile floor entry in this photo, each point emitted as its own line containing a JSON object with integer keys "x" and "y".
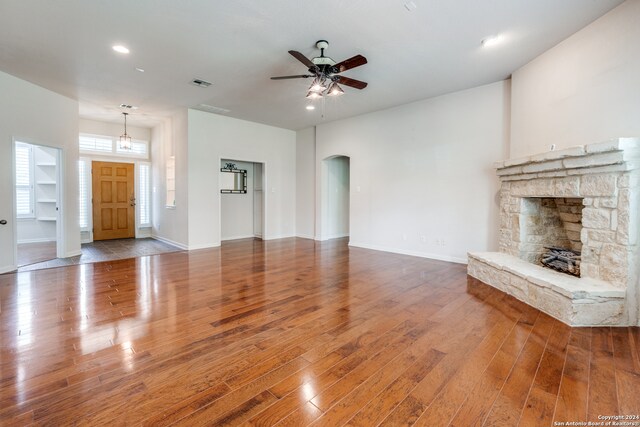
{"x": 103, "y": 250}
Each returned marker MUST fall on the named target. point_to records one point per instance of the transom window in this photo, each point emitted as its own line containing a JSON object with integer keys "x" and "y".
{"x": 108, "y": 146}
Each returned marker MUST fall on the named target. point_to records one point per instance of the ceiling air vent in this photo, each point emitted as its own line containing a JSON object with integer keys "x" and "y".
{"x": 200, "y": 83}
{"x": 128, "y": 107}
{"x": 211, "y": 109}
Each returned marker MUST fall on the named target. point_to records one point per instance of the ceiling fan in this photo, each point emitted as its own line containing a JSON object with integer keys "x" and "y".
{"x": 325, "y": 72}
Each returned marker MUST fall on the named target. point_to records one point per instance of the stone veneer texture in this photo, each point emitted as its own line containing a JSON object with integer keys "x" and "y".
{"x": 547, "y": 222}
{"x": 605, "y": 179}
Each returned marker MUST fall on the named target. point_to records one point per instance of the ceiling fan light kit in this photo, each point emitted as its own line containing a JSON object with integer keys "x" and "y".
{"x": 335, "y": 90}
{"x": 314, "y": 95}
{"x": 318, "y": 85}
{"x": 325, "y": 72}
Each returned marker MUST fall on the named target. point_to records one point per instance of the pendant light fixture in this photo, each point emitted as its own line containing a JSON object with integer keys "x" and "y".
{"x": 125, "y": 139}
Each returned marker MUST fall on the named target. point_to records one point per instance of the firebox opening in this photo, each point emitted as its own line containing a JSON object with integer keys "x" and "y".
{"x": 550, "y": 232}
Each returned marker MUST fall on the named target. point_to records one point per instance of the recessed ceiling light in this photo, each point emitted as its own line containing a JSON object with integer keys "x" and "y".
{"x": 492, "y": 40}
{"x": 140, "y": 69}
{"x": 310, "y": 107}
{"x": 120, "y": 49}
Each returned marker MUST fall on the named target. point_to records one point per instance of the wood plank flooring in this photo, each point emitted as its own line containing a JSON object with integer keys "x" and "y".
{"x": 296, "y": 332}
{"x": 31, "y": 253}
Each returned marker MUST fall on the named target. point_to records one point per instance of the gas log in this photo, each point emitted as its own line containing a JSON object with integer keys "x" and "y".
{"x": 562, "y": 259}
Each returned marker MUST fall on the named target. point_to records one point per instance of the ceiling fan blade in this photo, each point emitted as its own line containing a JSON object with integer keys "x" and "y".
{"x": 299, "y": 76}
{"x": 351, "y": 82}
{"x": 300, "y": 57}
{"x": 350, "y": 63}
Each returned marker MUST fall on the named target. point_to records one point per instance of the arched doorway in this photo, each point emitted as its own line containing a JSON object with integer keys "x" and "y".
{"x": 335, "y": 193}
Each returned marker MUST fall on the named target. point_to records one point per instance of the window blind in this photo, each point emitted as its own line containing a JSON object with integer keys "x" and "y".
{"x": 94, "y": 143}
{"x": 144, "y": 197}
{"x": 83, "y": 190}
{"x": 24, "y": 181}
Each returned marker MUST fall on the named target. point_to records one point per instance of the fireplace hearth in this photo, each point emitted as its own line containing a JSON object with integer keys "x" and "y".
{"x": 569, "y": 233}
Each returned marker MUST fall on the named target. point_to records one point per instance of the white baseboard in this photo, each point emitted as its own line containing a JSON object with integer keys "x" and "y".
{"x": 7, "y": 269}
{"x": 248, "y": 236}
{"x": 171, "y": 242}
{"x": 305, "y": 236}
{"x": 36, "y": 240}
{"x": 411, "y": 253}
{"x": 203, "y": 246}
{"x": 281, "y": 236}
{"x": 73, "y": 253}
{"x": 330, "y": 237}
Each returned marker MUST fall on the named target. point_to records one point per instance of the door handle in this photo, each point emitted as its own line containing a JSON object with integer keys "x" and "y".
{"x": 3, "y": 222}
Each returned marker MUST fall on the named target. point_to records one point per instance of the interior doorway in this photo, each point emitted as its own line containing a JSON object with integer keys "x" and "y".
{"x": 114, "y": 201}
{"x": 37, "y": 182}
{"x": 336, "y": 182}
{"x": 242, "y": 212}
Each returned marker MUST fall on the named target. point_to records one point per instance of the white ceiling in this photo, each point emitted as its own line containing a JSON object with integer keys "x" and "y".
{"x": 65, "y": 46}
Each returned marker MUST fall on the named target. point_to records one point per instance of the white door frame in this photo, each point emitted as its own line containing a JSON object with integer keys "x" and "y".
{"x": 264, "y": 193}
{"x": 60, "y": 235}
{"x": 324, "y": 197}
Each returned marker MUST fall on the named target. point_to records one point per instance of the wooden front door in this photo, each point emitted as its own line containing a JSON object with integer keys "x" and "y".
{"x": 113, "y": 200}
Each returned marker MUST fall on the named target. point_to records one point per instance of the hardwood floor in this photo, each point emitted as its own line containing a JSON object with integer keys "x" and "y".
{"x": 295, "y": 332}
{"x": 103, "y": 250}
{"x": 31, "y": 253}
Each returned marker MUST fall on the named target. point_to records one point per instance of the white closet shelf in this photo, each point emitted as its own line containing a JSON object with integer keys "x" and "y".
{"x": 46, "y": 182}
{"x": 46, "y": 218}
{"x": 45, "y": 164}
{"x": 46, "y": 200}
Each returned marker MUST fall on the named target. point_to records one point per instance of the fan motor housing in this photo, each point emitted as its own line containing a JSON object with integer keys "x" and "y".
{"x": 323, "y": 60}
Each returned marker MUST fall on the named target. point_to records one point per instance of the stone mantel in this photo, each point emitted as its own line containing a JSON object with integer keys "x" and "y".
{"x": 617, "y": 155}
{"x": 606, "y": 178}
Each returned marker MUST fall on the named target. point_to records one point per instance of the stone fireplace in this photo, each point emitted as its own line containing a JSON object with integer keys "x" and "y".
{"x": 550, "y": 222}
{"x": 583, "y": 199}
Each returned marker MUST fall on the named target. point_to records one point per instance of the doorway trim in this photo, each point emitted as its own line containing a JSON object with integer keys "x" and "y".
{"x": 323, "y": 212}
{"x": 265, "y": 234}
{"x": 60, "y": 214}
{"x": 89, "y": 159}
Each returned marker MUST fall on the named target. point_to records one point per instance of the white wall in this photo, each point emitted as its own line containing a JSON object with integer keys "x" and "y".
{"x": 335, "y": 197}
{"x": 95, "y": 127}
{"x": 32, "y": 114}
{"x": 213, "y": 137}
{"x": 236, "y": 210}
{"x": 170, "y": 139}
{"x": 305, "y": 182}
{"x": 584, "y": 90}
{"x": 423, "y": 171}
